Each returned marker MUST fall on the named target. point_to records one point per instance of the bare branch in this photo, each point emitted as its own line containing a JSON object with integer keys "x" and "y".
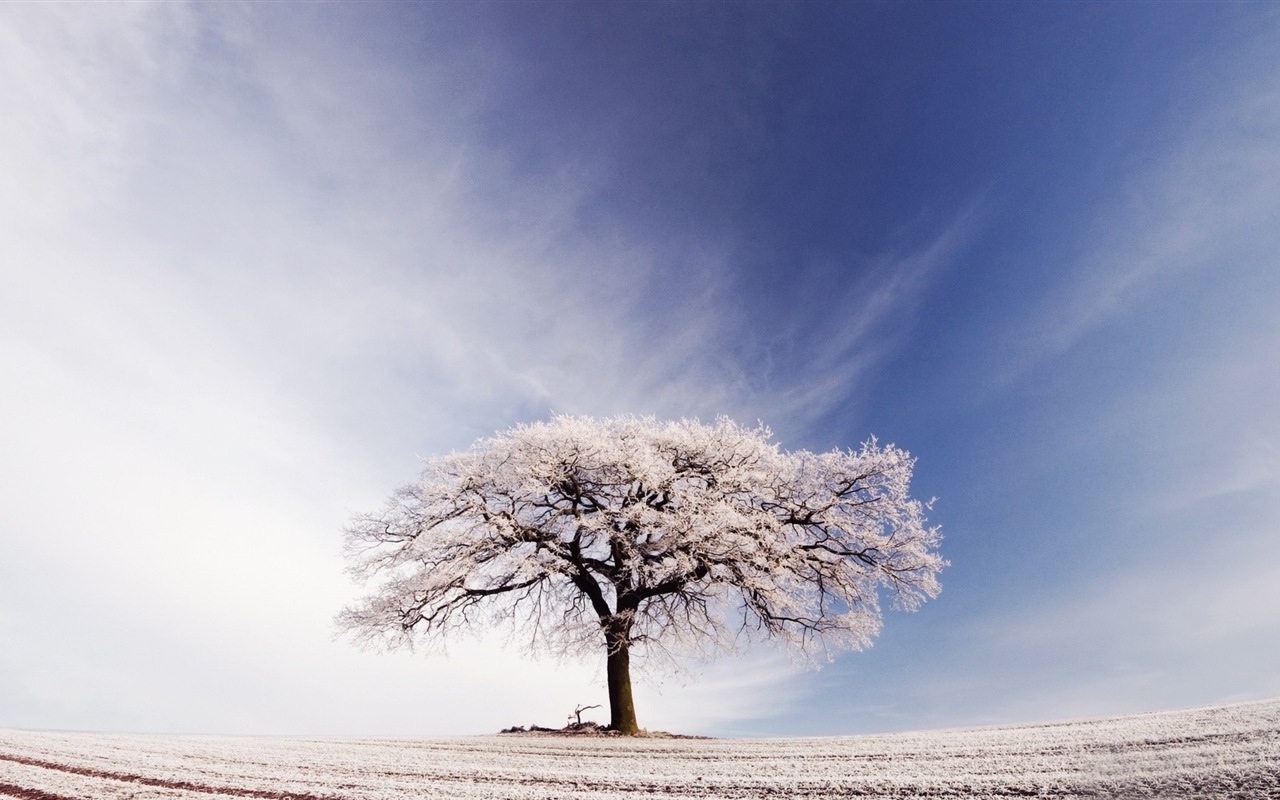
{"x": 665, "y": 536}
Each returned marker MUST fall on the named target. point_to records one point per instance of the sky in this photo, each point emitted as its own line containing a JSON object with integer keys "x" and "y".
{"x": 257, "y": 261}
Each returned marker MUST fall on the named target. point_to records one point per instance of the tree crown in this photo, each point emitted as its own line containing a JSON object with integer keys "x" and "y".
{"x": 664, "y": 535}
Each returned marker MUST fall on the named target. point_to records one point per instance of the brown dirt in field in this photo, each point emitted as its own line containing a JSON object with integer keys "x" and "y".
{"x": 143, "y": 780}
{"x": 9, "y": 790}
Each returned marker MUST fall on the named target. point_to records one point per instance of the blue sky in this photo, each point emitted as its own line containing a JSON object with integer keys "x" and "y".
{"x": 257, "y": 260}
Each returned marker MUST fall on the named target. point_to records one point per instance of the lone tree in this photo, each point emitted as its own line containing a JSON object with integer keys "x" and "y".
{"x": 644, "y": 536}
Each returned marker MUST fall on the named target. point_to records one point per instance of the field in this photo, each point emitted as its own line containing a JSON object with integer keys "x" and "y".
{"x": 1218, "y": 752}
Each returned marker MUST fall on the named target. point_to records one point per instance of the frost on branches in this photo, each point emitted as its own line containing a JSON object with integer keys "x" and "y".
{"x": 648, "y": 536}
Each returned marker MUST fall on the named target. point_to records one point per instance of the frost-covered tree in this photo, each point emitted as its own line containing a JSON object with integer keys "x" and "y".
{"x": 647, "y": 537}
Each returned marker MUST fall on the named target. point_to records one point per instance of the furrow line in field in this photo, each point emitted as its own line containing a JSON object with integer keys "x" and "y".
{"x": 161, "y": 783}
{"x": 22, "y": 793}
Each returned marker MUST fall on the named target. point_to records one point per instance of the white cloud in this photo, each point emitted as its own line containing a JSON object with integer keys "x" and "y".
{"x": 850, "y": 329}
{"x": 720, "y": 696}
{"x": 1205, "y": 209}
{"x": 198, "y": 350}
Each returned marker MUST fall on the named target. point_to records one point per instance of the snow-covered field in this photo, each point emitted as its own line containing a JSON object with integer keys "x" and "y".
{"x": 1224, "y": 751}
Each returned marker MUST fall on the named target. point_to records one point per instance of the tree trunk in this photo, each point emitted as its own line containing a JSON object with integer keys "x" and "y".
{"x": 622, "y": 709}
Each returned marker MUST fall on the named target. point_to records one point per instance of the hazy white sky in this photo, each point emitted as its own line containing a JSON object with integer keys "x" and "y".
{"x": 256, "y": 260}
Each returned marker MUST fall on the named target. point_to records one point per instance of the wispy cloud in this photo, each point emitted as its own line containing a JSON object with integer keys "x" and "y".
{"x": 1142, "y": 640}
{"x": 856, "y": 316}
{"x": 1208, "y": 204}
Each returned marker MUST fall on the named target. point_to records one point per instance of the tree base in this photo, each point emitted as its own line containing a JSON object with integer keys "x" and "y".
{"x": 592, "y": 729}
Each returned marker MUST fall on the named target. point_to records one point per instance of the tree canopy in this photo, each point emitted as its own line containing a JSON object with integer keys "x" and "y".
{"x": 644, "y": 536}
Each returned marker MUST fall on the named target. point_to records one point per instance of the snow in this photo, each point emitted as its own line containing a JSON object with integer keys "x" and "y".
{"x": 1216, "y": 752}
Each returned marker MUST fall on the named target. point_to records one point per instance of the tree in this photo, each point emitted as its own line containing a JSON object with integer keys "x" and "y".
{"x": 644, "y": 536}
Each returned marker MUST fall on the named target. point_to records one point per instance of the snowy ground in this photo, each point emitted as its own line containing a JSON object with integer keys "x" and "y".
{"x": 1224, "y": 751}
